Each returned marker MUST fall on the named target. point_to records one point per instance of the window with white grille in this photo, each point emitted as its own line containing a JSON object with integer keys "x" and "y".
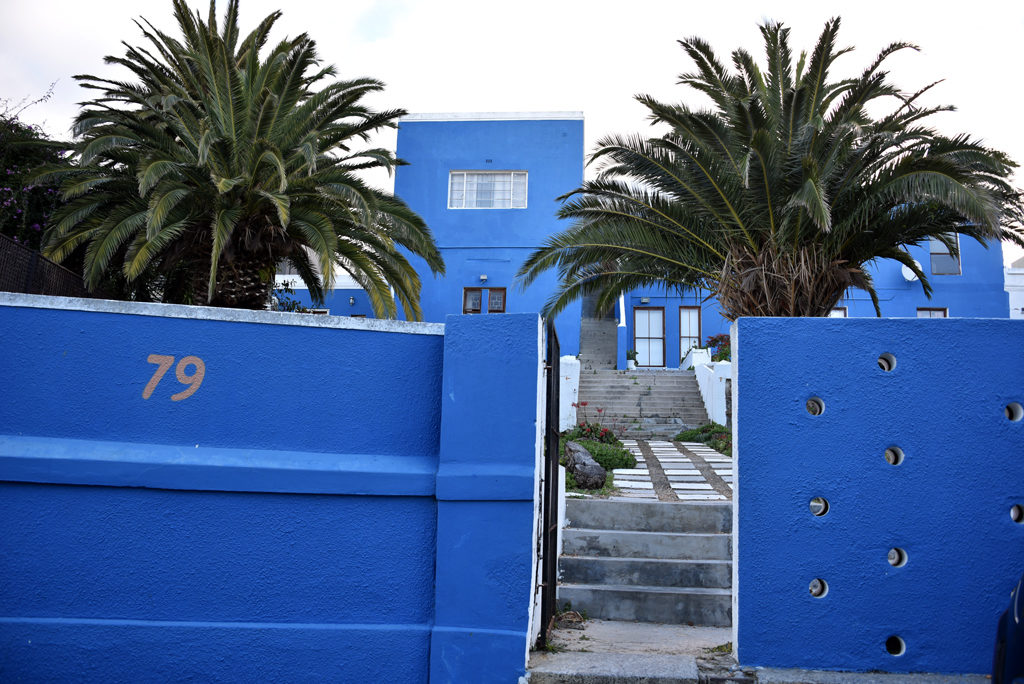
{"x": 487, "y": 190}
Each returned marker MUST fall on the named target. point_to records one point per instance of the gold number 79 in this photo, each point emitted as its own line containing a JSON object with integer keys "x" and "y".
{"x": 164, "y": 363}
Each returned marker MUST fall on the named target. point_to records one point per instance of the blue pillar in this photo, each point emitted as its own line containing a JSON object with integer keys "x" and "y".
{"x": 486, "y": 490}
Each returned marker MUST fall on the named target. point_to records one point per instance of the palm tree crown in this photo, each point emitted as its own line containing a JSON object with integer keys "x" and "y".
{"x": 221, "y": 161}
{"x": 776, "y": 196}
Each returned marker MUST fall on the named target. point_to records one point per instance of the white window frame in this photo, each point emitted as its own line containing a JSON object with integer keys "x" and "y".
{"x": 510, "y": 172}
{"x": 839, "y": 312}
{"x": 932, "y": 310}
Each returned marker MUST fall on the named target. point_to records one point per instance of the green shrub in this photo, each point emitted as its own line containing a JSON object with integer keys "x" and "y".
{"x": 608, "y": 455}
{"x": 702, "y": 433}
{"x": 594, "y": 432}
{"x": 716, "y": 436}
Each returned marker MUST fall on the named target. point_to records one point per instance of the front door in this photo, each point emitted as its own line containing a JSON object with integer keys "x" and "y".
{"x": 649, "y": 336}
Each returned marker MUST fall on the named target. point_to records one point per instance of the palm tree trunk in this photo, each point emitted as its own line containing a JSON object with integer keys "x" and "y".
{"x": 804, "y": 282}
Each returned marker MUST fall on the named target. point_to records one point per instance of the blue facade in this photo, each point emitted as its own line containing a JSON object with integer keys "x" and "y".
{"x": 976, "y": 293}
{"x": 184, "y": 497}
{"x": 494, "y": 242}
{"x": 491, "y": 242}
{"x": 949, "y": 500}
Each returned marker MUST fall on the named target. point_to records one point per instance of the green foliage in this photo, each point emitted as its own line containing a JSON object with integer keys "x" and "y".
{"x": 25, "y": 205}
{"x": 776, "y": 197}
{"x": 285, "y": 301}
{"x": 631, "y": 355}
{"x": 572, "y": 486}
{"x": 609, "y": 455}
{"x": 226, "y": 155}
{"x": 603, "y": 446}
{"x": 716, "y": 436}
{"x": 593, "y": 431}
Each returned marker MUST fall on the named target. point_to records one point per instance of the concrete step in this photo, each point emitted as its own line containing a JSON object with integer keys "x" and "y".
{"x": 670, "y": 605}
{"x": 630, "y": 405}
{"x": 661, "y": 545}
{"x": 612, "y": 668}
{"x": 643, "y": 516}
{"x": 646, "y": 572}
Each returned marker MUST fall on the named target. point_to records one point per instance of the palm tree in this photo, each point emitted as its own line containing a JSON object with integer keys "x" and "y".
{"x": 218, "y": 163}
{"x": 777, "y": 196}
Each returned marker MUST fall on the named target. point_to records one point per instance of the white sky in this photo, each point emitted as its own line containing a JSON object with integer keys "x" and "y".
{"x": 529, "y": 55}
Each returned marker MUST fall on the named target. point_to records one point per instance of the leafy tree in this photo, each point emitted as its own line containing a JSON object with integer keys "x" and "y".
{"x": 777, "y": 196}
{"x": 25, "y": 206}
{"x": 224, "y": 158}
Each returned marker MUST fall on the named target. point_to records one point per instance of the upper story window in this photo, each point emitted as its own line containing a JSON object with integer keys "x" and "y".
{"x": 838, "y": 312}
{"x": 487, "y": 190}
{"x": 932, "y": 312}
{"x": 474, "y": 298}
{"x": 943, "y": 262}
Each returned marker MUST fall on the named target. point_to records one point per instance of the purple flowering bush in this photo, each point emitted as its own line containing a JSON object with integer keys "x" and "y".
{"x": 25, "y": 207}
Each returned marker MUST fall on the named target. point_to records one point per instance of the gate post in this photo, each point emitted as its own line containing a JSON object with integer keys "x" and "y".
{"x": 487, "y": 483}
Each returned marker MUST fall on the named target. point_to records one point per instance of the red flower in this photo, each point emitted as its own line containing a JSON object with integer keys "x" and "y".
{"x": 583, "y": 403}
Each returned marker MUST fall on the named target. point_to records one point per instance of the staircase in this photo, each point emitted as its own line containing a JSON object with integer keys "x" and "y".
{"x": 599, "y": 335}
{"x": 641, "y": 403}
{"x": 650, "y": 562}
{"x": 598, "y": 343}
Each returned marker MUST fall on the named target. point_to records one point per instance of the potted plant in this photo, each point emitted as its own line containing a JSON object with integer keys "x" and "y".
{"x": 631, "y": 359}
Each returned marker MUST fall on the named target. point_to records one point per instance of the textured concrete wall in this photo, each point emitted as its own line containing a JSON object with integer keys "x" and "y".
{"x": 951, "y": 405}
{"x": 283, "y": 521}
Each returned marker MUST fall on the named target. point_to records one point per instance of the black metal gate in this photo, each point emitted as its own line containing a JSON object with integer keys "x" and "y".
{"x": 549, "y": 544}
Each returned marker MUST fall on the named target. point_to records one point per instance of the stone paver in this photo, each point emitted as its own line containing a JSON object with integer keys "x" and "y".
{"x": 674, "y": 471}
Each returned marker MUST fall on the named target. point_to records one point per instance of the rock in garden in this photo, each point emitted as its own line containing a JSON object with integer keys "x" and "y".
{"x": 588, "y": 473}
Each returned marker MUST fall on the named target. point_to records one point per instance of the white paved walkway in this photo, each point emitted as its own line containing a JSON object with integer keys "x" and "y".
{"x": 682, "y": 464}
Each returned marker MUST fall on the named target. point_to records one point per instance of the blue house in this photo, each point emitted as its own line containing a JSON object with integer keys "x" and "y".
{"x": 662, "y": 325}
{"x": 486, "y": 184}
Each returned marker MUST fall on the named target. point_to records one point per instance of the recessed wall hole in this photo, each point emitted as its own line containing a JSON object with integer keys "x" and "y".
{"x": 819, "y": 506}
{"x": 894, "y": 455}
{"x": 897, "y": 557}
{"x": 887, "y": 362}
{"x": 1017, "y": 513}
{"x": 1014, "y": 411}
{"x": 818, "y": 587}
{"x": 815, "y": 406}
{"x": 895, "y": 646}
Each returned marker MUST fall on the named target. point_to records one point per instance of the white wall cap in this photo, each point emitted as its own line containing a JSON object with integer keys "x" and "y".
{"x": 209, "y": 313}
{"x": 493, "y": 116}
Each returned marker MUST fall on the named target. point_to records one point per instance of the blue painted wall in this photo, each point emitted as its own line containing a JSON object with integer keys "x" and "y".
{"x": 491, "y": 242}
{"x": 977, "y": 293}
{"x": 948, "y": 504}
{"x": 300, "y": 517}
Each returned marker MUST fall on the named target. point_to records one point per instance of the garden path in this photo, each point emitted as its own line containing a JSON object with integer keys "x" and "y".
{"x": 674, "y": 471}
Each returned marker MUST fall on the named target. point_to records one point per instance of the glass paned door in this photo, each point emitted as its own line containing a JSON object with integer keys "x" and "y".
{"x": 689, "y": 329}
{"x": 649, "y": 336}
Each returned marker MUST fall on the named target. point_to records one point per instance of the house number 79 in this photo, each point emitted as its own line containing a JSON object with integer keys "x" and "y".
{"x": 163, "y": 364}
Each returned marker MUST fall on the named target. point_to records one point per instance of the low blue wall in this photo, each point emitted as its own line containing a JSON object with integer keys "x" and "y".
{"x": 946, "y": 506}
{"x": 296, "y": 498}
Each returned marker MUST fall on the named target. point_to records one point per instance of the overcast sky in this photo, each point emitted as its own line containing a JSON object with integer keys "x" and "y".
{"x": 531, "y": 55}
